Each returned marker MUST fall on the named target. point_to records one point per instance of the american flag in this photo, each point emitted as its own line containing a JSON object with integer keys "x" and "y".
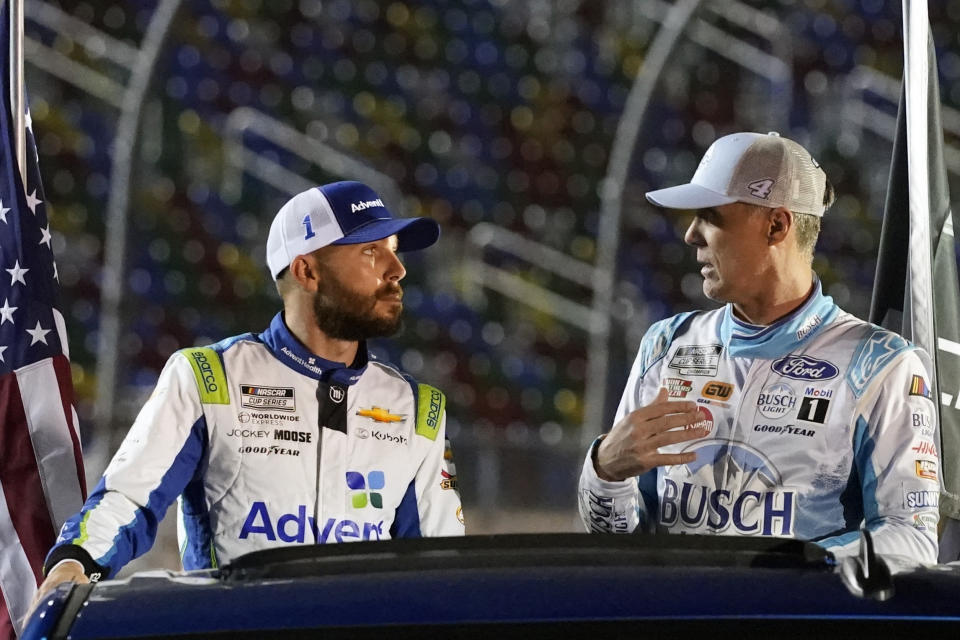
{"x": 41, "y": 468}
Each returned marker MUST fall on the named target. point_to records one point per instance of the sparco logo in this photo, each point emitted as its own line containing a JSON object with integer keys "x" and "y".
{"x": 365, "y": 204}
{"x": 209, "y": 381}
{"x": 433, "y": 415}
{"x": 804, "y": 368}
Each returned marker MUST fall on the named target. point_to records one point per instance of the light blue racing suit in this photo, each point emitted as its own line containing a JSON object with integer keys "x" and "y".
{"x": 819, "y": 424}
{"x": 268, "y": 445}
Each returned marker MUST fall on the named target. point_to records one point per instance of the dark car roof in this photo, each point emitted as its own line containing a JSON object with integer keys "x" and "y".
{"x": 513, "y": 585}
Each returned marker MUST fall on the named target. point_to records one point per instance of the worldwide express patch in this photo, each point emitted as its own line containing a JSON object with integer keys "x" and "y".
{"x": 276, "y": 398}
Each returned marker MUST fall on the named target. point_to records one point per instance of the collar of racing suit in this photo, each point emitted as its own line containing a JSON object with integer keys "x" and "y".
{"x": 783, "y": 336}
{"x": 292, "y": 353}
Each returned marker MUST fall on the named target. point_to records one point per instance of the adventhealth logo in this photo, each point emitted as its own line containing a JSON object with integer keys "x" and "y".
{"x": 365, "y": 204}
{"x": 360, "y": 485}
{"x": 299, "y": 527}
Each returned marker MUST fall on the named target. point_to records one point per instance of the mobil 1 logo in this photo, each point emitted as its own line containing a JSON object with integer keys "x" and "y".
{"x": 813, "y": 407}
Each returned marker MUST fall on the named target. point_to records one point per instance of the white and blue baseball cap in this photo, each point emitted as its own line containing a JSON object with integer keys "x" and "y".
{"x": 340, "y": 213}
{"x": 766, "y": 170}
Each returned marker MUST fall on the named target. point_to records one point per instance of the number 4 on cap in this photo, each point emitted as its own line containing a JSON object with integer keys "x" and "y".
{"x": 760, "y": 188}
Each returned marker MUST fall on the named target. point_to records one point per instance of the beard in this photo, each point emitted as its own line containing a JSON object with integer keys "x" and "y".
{"x": 344, "y": 314}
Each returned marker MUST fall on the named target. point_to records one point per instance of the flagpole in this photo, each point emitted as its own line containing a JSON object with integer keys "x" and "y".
{"x": 916, "y": 34}
{"x": 17, "y": 106}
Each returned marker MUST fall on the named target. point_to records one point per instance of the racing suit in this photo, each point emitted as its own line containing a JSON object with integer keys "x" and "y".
{"x": 267, "y": 445}
{"x": 818, "y": 423}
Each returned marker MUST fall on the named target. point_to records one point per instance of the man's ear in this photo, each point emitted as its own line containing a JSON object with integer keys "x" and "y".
{"x": 779, "y": 223}
{"x": 305, "y": 272}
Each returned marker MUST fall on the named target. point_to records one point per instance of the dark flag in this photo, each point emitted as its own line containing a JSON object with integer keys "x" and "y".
{"x": 41, "y": 468}
{"x": 916, "y": 291}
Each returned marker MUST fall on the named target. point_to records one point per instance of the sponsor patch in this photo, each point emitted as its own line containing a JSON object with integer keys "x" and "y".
{"x": 602, "y": 513}
{"x": 706, "y": 423}
{"x": 299, "y": 527}
{"x": 918, "y": 387}
{"x": 208, "y": 370}
{"x": 804, "y": 368}
{"x": 270, "y": 450}
{"x": 248, "y": 433}
{"x": 697, "y": 360}
{"x": 378, "y": 414}
{"x": 925, "y": 448}
{"x": 785, "y": 429}
{"x": 365, "y": 490}
{"x": 337, "y": 394}
{"x": 923, "y": 423}
{"x": 926, "y": 469}
{"x": 717, "y": 390}
{"x": 919, "y": 499}
{"x": 430, "y": 407}
{"x": 925, "y": 521}
{"x": 448, "y": 481}
{"x": 266, "y": 419}
{"x": 460, "y": 515}
{"x": 292, "y": 436}
{"x": 776, "y": 400}
{"x": 677, "y": 387}
{"x": 809, "y": 325}
{"x": 274, "y": 398}
{"x": 813, "y": 409}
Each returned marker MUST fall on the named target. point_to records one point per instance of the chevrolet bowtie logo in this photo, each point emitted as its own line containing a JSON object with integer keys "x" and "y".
{"x": 380, "y": 415}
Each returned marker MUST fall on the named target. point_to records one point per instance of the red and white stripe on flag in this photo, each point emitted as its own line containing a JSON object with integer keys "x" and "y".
{"x": 42, "y": 465}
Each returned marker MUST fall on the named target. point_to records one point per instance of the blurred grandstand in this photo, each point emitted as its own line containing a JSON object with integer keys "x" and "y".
{"x": 167, "y": 151}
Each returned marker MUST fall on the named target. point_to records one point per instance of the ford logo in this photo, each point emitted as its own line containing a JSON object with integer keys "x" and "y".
{"x": 804, "y": 368}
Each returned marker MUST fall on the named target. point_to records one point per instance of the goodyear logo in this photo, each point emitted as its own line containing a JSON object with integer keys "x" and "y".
{"x": 430, "y": 407}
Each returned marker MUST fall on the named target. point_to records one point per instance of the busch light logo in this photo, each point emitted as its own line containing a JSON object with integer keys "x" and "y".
{"x": 776, "y": 400}
{"x": 804, "y": 368}
{"x": 295, "y": 527}
{"x": 753, "y": 503}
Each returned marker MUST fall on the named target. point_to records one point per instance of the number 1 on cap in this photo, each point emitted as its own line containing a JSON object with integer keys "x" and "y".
{"x": 309, "y": 225}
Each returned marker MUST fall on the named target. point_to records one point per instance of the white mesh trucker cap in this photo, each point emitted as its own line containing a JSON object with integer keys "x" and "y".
{"x": 340, "y": 213}
{"x": 766, "y": 170}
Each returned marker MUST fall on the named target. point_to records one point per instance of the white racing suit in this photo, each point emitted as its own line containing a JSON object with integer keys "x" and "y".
{"x": 819, "y": 424}
{"x": 267, "y": 445}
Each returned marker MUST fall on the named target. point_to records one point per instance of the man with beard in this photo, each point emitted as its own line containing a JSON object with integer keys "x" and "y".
{"x": 295, "y": 435}
{"x": 778, "y": 414}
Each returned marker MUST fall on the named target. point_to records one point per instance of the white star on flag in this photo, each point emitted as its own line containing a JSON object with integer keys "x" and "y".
{"x": 6, "y": 312}
{"x": 3, "y": 212}
{"x": 33, "y": 201}
{"x": 29, "y": 121}
{"x": 16, "y": 274}
{"x": 45, "y": 233}
{"x": 2, "y": 349}
{"x": 56, "y": 276}
{"x": 38, "y": 334}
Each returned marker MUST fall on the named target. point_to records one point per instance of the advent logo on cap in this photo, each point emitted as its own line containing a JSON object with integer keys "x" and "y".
{"x": 340, "y": 213}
